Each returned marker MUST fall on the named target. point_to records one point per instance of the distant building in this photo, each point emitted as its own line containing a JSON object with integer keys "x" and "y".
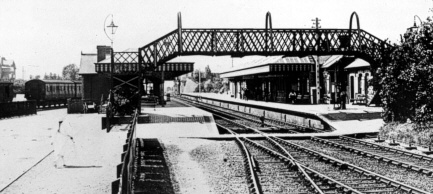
{"x": 273, "y": 78}
{"x": 7, "y": 69}
{"x": 95, "y": 86}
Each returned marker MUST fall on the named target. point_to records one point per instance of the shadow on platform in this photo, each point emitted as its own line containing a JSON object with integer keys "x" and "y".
{"x": 151, "y": 175}
{"x": 352, "y": 116}
{"x": 73, "y": 166}
{"x": 160, "y": 118}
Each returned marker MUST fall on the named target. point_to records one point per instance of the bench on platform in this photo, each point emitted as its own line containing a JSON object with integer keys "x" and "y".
{"x": 89, "y": 107}
{"x": 360, "y": 99}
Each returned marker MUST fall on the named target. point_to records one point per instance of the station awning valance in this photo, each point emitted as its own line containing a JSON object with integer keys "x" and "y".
{"x": 184, "y": 67}
{"x": 268, "y": 68}
{"x": 290, "y": 67}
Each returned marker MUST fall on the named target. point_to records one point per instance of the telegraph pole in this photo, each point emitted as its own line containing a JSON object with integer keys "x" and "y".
{"x": 316, "y": 22}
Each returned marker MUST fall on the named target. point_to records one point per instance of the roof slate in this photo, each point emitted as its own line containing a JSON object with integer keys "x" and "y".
{"x": 358, "y": 63}
{"x": 87, "y": 64}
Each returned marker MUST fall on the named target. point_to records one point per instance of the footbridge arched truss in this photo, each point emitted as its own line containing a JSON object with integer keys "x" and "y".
{"x": 128, "y": 67}
{"x": 268, "y": 41}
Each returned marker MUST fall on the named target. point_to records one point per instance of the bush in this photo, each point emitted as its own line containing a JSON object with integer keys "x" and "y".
{"x": 406, "y": 133}
{"x": 404, "y": 79}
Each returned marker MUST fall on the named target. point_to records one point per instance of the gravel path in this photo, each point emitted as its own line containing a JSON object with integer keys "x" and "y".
{"x": 205, "y": 166}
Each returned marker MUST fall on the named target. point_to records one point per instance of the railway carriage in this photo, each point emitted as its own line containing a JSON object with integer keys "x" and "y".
{"x": 52, "y": 92}
{"x": 6, "y": 91}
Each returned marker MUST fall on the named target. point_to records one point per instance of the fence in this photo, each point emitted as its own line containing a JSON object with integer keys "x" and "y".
{"x": 123, "y": 185}
{"x": 11, "y": 109}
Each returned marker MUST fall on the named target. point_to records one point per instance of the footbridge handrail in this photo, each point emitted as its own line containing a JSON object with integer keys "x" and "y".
{"x": 250, "y": 41}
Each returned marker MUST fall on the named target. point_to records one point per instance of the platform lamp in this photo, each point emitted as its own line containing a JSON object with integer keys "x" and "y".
{"x": 113, "y": 29}
{"x": 414, "y": 28}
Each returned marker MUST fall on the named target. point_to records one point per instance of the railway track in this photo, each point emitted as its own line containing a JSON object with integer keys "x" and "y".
{"x": 26, "y": 171}
{"x": 346, "y": 167}
{"x": 345, "y": 177}
{"x": 267, "y": 124}
{"x": 411, "y": 161}
{"x": 292, "y": 177}
{"x": 417, "y": 162}
{"x": 270, "y": 172}
{"x": 399, "y": 172}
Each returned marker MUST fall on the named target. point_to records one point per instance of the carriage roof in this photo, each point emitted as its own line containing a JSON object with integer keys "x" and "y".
{"x": 55, "y": 81}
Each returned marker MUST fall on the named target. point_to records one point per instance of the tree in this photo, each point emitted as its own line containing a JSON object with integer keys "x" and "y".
{"x": 208, "y": 86}
{"x": 37, "y": 77}
{"x": 196, "y": 75}
{"x": 405, "y": 78}
{"x": 46, "y": 77}
{"x": 207, "y": 72}
{"x": 70, "y": 72}
{"x": 18, "y": 86}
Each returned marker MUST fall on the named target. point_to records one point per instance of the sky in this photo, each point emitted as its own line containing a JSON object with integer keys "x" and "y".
{"x": 46, "y": 35}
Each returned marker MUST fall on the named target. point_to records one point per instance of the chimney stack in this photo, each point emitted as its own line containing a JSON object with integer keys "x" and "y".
{"x": 103, "y": 51}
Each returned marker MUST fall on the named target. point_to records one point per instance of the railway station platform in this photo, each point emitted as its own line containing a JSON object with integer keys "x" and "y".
{"x": 354, "y": 120}
{"x": 176, "y": 120}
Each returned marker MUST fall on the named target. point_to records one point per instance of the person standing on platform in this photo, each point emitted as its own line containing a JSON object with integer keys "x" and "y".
{"x": 62, "y": 138}
{"x": 242, "y": 93}
{"x": 343, "y": 97}
{"x": 292, "y": 96}
{"x": 246, "y": 94}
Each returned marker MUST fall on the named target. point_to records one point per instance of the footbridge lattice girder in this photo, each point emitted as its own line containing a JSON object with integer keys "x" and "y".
{"x": 242, "y": 42}
{"x": 239, "y": 43}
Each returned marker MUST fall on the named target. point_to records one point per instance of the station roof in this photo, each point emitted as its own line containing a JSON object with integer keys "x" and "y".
{"x": 358, "y": 63}
{"x": 331, "y": 61}
{"x": 270, "y": 64}
{"x": 87, "y": 64}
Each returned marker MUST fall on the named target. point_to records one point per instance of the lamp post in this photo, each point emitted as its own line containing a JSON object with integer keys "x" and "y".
{"x": 113, "y": 29}
{"x": 414, "y": 28}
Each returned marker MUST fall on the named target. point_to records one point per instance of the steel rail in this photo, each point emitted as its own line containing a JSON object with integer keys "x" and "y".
{"x": 340, "y": 163}
{"x": 396, "y": 162}
{"x": 253, "y": 182}
{"x": 212, "y": 107}
{"x": 299, "y": 126}
{"x": 25, "y": 172}
{"x": 323, "y": 177}
{"x": 299, "y": 167}
{"x": 419, "y": 156}
{"x": 293, "y": 163}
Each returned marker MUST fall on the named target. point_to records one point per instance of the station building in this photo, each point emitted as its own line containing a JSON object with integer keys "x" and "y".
{"x": 96, "y": 86}
{"x": 274, "y": 78}
{"x": 7, "y": 69}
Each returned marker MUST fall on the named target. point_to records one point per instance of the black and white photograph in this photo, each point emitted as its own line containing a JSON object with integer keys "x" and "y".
{"x": 216, "y": 97}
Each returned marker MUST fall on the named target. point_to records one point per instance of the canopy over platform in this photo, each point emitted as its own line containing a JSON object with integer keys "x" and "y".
{"x": 274, "y": 64}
